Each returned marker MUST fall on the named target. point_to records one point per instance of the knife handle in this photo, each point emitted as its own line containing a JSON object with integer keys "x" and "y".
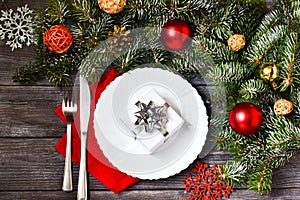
{"x": 67, "y": 181}
{"x": 82, "y": 180}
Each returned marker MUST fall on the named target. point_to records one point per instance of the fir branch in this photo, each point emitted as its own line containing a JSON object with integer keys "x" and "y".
{"x": 260, "y": 45}
{"x": 124, "y": 19}
{"x": 247, "y": 21}
{"x": 219, "y": 51}
{"x": 95, "y": 63}
{"x": 149, "y": 10}
{"x": 222, "y": 25}
{"x": 58, "y": 10}
{"x": 261, "y": 179}
{"x": 217, "y": 120}
{"x": 183, "y": 66}
{"x": 188, "y": 10}
{"x": 268, "y": 22}
{"x": 229, "y": 72}
{"x": 98, "y": 31}
{"x": 159, "y": 55}
{"x": 130, "y": 60}
{"x": 288, "y": 61}
{"x": 57, "y": 74}
{"x": 41, "y": 24}
{"x": 283, "y": 134}
{"x": 83, "y": 10}
{"x": 295, "y": 7}
{"x": 78, "y": 32}
{"x": 158, "y": 12}
{"x": 295, "y": 98}
{"x": 223, "y": 142}
{"x": 218, "y": 97}
{"x": 199, "y": 58}
{"x": 227, "y": 18}
{"x": 233, "y": 172}
{"x": 28, "y": 74}
{"x": 253, "y": 89}
{"x": 289, "y": 10}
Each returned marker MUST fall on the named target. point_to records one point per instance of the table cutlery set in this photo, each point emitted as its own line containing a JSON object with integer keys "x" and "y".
{"x": 69, "y": 108}
{"x": 171, "y": 157}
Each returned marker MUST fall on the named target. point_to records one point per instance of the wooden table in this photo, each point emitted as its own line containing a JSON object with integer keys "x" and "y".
{"x": 30, "y": 168}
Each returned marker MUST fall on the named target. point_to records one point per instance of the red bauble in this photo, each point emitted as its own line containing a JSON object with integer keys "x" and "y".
{"x": 245, "y": 118}
{"x": 176, "y": 34}
{"x": 58, "y": 38}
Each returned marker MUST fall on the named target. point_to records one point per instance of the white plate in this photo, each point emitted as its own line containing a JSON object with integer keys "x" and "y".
{"x": 127, "y": 154}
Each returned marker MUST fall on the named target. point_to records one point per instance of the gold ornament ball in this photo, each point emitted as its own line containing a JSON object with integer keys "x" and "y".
{"x": 236, "y": 42}
{"x": 268, "y": 71}
{"x": 283, "y": 107}
{"x": 112, "y": 6}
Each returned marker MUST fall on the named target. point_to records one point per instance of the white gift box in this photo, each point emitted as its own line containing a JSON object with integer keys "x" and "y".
{"x": 153, "y": 140}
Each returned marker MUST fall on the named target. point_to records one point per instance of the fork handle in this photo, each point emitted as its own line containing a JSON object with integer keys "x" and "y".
{"x": 67, "y": 181}
{"x": 82, "y": 180}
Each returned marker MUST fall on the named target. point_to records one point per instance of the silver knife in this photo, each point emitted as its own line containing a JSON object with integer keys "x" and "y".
{"x": 85, "y": 101}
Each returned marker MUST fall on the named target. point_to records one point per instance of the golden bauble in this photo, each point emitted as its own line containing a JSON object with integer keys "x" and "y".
{"x": 268, "y": 71}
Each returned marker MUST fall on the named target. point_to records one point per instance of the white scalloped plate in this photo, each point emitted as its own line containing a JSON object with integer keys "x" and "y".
{"x": 129, "y": 155}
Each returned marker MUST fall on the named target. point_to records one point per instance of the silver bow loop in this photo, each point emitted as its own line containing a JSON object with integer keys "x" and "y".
{"x": 152, "y": 117}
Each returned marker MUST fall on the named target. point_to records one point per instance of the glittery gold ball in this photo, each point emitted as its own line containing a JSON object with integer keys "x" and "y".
{"x": 236, "y": 42}
{"x": 268, "y": 71}
{"x": 283, "y": 107}
{"x": 112, "y": 6}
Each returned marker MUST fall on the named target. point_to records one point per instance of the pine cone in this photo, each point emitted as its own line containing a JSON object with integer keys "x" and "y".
{"x": 118, "y": 39}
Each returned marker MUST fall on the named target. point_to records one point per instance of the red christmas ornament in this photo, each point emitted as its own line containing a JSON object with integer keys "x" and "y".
{"x": 176, "y": 34}
{"x": 58, "y": 38}
{"x": 245, "y": 118}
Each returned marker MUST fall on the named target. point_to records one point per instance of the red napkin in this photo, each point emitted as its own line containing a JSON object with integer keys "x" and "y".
{"x": 97, "y": 163}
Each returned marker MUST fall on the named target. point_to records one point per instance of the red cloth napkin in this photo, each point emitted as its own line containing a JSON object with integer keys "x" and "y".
{"x": 97, "y": 163}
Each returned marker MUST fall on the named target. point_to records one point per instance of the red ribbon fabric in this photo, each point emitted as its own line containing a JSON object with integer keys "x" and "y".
{"x": 97, "y": 164}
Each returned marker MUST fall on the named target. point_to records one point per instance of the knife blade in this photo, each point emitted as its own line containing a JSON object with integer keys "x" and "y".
{"x": 85, "y": 101}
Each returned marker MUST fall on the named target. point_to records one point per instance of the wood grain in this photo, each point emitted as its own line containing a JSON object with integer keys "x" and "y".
{"x": 144, "y": 195}
{"x": 30, "y": 168}
{"x": 33, "y": 164}
{"x": 28, "y": 111}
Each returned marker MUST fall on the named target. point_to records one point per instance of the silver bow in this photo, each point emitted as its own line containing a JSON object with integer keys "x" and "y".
{"x": 152, "y": 117}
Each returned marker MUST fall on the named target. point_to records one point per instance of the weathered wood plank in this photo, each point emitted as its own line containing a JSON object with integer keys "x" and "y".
{"x": 287, "y": 194}
{"x": 28, "y": 111}
{"x": 33, "y": 164}
{"x": 30, "y": 168}
{"x": 145, "y": 195}
{"x": 10, "y": 61}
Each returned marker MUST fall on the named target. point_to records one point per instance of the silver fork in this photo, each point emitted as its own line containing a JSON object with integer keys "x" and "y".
{"x": 69, "y": 108}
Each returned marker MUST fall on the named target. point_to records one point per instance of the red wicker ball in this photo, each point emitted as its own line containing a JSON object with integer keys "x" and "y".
{"x": 58, "y": 38}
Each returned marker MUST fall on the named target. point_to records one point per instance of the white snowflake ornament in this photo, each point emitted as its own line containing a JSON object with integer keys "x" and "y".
{"x": 17, "y": 27}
